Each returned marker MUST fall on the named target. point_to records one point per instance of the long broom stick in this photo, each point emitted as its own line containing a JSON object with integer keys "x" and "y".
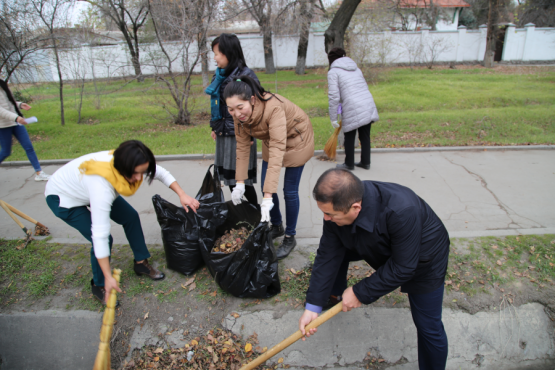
{"x": 331, "y": 145}
{"x": 103, "y": 361}
{"x": 293, "y": 338}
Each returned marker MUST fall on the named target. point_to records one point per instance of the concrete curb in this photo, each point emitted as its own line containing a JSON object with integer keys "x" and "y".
{"x": 195, "y": 157}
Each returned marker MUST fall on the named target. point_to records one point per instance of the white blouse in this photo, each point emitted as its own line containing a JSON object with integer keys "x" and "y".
{"x": 75, "y": 190}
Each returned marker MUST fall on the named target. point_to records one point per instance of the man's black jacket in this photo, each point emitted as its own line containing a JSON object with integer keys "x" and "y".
{"x": 397, "y": 233}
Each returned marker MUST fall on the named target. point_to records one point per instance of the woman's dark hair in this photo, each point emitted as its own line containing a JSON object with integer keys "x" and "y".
{"x": 339, "y": 187}
{"x": 335, "y": 54}
{"x": 229, "y": 45}
{"x": 244, "y": 87}
{"x": 131, "y": 154}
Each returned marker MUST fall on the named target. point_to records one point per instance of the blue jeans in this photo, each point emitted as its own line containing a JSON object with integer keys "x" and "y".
{"x": 122, "y": 213}
{"x": 20, "y": 133}
{"x": 426, "y": 314}
{"x": 290, "y": 195}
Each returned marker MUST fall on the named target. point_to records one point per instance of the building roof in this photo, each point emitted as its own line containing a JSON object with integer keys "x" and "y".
{"x": 427, "y": 3}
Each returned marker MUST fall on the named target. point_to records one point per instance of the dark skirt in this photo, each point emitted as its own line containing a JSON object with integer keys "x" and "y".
{"x": 226, "y": 158}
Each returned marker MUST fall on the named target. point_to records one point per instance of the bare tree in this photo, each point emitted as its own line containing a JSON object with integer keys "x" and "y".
{"x": 266, "y": 13}
{"x": 414, "y": 47}
{"x": 433, "y": 47}
{"x": 52, "y": 15}
{"x": 539, "y": 12}
{"x": 496, "y": 13}
{"x": 17, "y": 40}
{"x": 335, "y": 34}
{"x": 129, "y": 17}
{"x": 305, "y": 18}
{"x": 181, "y": 21}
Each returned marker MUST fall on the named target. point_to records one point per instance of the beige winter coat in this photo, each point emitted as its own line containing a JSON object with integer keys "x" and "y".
{"x": 286, "y": 134}
{"x": 8, "y": 113}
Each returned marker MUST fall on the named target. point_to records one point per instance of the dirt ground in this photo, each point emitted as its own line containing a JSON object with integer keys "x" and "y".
{"x": 193, "y": 305}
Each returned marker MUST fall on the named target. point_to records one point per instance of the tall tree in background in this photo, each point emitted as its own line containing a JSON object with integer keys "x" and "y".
{"x": 128, "y": 16}
{"x": 184, "y": 21}
{"x": 263, "y": 13}
{"x": 17, "y": 41}
{"x": 539, "y": 12}
{"x": 306, "y": 13}
{"x": 497, "y": 12}
{"x": 335, "y": 34}
{"x": 52, "y": 14}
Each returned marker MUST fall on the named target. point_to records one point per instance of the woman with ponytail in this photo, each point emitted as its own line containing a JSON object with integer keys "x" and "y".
{"x": 86, "y": 194}
{"x": 230, "y": 62}
{"x": 287, "y": 141}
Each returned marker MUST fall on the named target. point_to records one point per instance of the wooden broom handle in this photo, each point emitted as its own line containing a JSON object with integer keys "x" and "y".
{"x": 7, "y": 209}
{"x": 23, "y": 215}
{"x": 293, "y": 338}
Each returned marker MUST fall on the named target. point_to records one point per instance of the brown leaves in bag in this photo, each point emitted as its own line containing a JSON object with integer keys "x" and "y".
{"x": 231, "y": 241}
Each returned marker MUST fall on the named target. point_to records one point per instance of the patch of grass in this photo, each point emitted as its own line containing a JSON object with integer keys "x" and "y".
{"x": 493, "y": 261}
{"x": 417, "y": 108}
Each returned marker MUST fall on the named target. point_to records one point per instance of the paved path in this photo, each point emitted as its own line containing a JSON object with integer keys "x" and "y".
{"x": 475, "y": 193}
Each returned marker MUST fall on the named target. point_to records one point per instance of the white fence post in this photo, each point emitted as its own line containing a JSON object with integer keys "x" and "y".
{"x": 459, "y": 51}
{"x": 508, "y": 43}
{"x": 483, "y": 41}
{"x": 527, "y": 49}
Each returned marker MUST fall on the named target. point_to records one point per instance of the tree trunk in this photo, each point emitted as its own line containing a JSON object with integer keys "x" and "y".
{"x": 268, "y": 50}
{"x": 306, "y": 18}
{"x": 493, "y": 16}
{"x": 203, "y": 50}
{"x": 61, "y": 83}
{"x": 333, "y": 37}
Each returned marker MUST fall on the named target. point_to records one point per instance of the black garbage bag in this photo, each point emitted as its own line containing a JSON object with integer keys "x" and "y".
{"x": 252, "y": 271}
{"x": 180, "y": 236}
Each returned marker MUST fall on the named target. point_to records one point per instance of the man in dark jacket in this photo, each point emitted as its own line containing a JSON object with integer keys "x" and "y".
{"x": 399, "y": 235}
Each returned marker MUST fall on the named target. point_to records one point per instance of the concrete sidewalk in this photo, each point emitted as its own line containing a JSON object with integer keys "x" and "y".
{"x": 475, "y": 193}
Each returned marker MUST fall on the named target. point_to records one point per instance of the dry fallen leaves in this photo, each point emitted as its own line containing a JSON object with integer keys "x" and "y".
{"x": 231, "y": 241}
{"x": 146, "y": 316}
{"x": 248, "y": 347}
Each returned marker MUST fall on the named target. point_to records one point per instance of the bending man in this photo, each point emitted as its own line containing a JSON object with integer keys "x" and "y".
{"x": 399, "y": 235}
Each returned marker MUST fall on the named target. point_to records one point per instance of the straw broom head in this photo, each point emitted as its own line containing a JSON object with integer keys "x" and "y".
{"x": 331, "y": 146}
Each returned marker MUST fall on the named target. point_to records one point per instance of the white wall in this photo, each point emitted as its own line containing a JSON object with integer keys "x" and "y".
{"x": 461, "y": 45}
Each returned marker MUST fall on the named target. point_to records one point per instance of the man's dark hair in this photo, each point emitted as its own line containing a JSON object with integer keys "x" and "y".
{"x": 229, "y": 45}
{"x": 335, "y": 54}
{"x": 339, "y": 187}
{"x": 244, "y": 87}
{"x": 131, "y": 154}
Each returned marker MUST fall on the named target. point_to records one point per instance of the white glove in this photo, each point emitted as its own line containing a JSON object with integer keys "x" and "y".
{"x": 265, "y": 208}
{"x": 335, "y": 124}
{"x": 237, "y": 194}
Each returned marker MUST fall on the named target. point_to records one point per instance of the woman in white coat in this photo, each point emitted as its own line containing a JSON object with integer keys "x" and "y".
{"x": 348, "y": 89}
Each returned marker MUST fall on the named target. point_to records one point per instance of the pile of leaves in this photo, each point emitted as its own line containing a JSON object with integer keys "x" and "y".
{"x": 231, "y": 241}
{"x": 219, "y": 349}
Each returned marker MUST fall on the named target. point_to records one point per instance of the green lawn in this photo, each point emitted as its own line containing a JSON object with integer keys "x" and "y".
{"x": 439, "y": 107}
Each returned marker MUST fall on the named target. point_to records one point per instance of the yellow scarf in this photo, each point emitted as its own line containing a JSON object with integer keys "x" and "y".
{"x": 108, "y": 171}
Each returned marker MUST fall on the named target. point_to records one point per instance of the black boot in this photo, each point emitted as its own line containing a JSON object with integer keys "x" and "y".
{"x": 362, "y": 165}
{"x": 277, "y": 230}
{"x": 343, "y": 166}
{"x": 99, "y": 293}
{"x": 287, "y": 245}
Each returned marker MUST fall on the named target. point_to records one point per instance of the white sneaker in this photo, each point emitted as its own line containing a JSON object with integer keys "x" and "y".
{"x": 42, "y": 176}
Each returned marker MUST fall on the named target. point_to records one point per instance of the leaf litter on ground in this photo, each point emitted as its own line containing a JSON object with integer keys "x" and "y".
{"x": 218, "y": 349}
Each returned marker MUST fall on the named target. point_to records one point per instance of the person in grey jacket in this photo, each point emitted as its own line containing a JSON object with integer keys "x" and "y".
{"x": 348, "y": 90}
{"x": 12, "y": 123}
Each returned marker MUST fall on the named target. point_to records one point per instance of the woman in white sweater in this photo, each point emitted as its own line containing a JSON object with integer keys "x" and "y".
{"x": 96, "y": 181}
{"x": 347, "y": 86}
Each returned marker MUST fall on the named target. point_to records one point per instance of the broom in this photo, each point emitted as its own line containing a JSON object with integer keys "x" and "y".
{"x": 331, "y": 146}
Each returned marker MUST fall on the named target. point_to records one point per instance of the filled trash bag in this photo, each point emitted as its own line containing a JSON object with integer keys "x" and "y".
{"x": 180, "y": 236}
{"x": 251, "y": 271}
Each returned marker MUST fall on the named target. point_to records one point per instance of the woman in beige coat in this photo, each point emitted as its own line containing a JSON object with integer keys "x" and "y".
{"x": 287, "y": 141}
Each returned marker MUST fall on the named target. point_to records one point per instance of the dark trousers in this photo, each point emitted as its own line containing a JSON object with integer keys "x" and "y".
{"x": 364, "y": 137}
{"x": 291, "y": 183}
{"x": 250, "y": 193}
{"x": 122, "y": 213}
{"x": 426, "y": 314}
